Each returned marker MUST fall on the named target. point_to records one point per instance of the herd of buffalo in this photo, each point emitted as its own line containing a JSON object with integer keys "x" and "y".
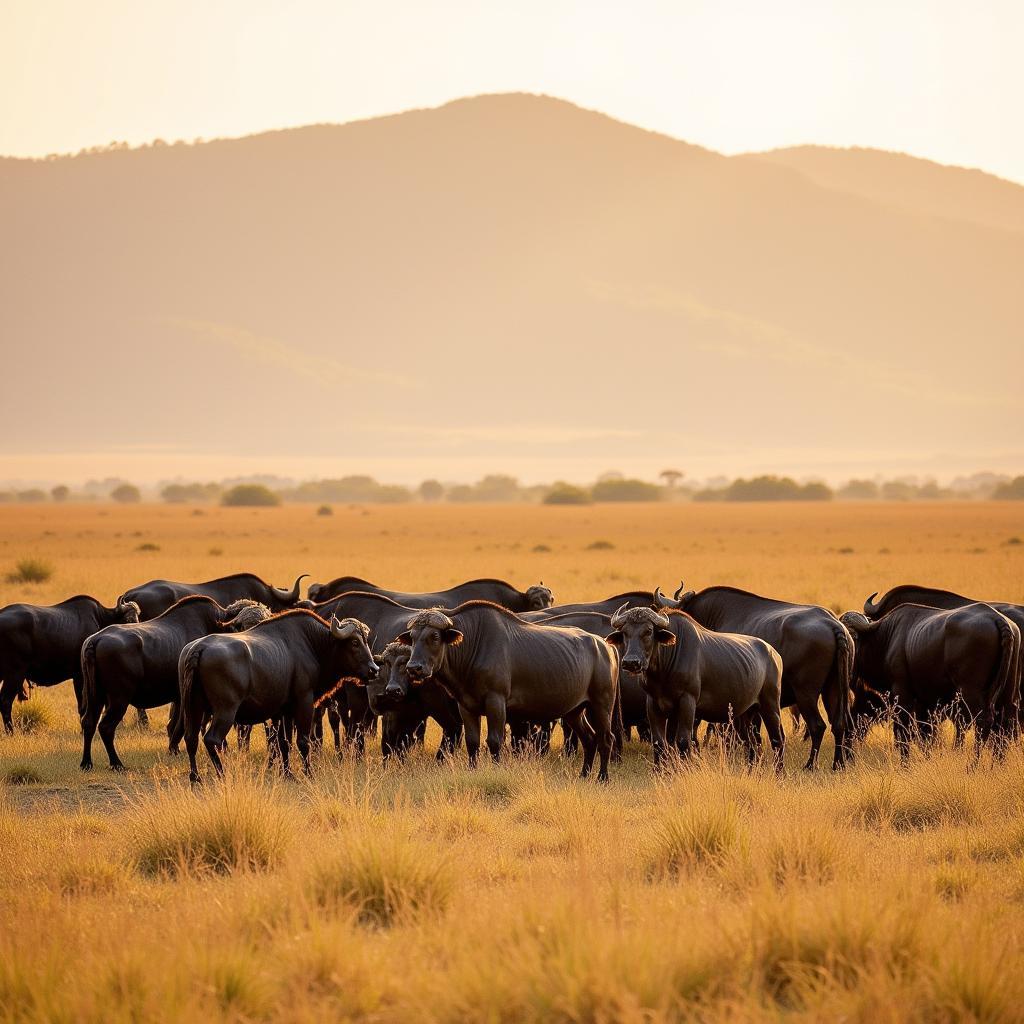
{"x": 235, "y": 652}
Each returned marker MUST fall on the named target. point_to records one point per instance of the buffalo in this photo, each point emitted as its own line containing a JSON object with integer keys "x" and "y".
{"x": 926, "y": 660}
{"x": 41, "y": 644}
{"x": 608, "y": 606}
{"x": 158, "y": 595}
{"x": 815, "y": 646}
{"x": 497, "y": 591}
{"x": 278, "y": 669}
{"x": 138, "y": 664}
{"x": 690, "y": 672}
{"x": 497, "y": 665}
{"x": 404, "y": 705}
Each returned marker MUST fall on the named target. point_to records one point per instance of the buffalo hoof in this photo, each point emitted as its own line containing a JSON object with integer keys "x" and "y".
{"x": 86, "y": 766}
{"x": 118, "y": 767}
{"x": 195, "y": 780}
{"x": 602, "y": 777}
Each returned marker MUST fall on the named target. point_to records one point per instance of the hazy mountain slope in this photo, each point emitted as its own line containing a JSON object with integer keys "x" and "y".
{"x": 507, "y": 274}
{"x": 922, "y": 186}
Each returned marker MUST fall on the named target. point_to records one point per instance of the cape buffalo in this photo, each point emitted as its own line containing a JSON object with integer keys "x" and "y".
{"x": 926, "y": 659}
{"x": 631, "y": 598}
{"x": 689, "y": 671}
{"x": 816, "y": 650}
{"x": 276, "y": 670}
{"x": 41, "y": 644}
{"x": 495, "y": 664}
{"x": 158, "y": 595}
{"x": 404, "y": 705}
{"x": 138, "y": 664}
{"x": 496, "y": 591}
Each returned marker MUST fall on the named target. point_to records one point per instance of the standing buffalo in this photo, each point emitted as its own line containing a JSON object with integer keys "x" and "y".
{"x": 158, "y": 595}
{"x": 42, "y": 644}
{"x": 816, "y": 650}
{"x": 496, "y": 591}
{"x": 138, "y": 663}
{"x": 405, "y": 705}
{"x": 495, "y": 664}
{"x": 690, "y": 672}
{"x": 608, "y": 606}
{"x": 276, "y": 670}
{"x": 926, "y": 660}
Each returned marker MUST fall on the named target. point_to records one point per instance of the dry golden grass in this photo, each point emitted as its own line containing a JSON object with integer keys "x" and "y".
{"x": 513, "y": 893}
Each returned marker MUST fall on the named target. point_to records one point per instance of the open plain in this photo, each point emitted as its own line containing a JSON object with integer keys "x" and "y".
{"x": 515, "y": 892}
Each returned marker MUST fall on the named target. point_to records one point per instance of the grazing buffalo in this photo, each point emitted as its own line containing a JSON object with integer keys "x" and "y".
{"x": 405, "y": 705}
{"x": 927, "y": 660}
{"x": 496, "y": 591}
{"x": 276, "y": 670}
{"x": 138, "y": 664}
{"x": 495, "y": 664}
{"x": 816, "y": 650}
{"x": 158, "y": 595}
{"x": 689, "y": 672}
{"x": 631, "y": 598}
{"x": 41, "y": 645}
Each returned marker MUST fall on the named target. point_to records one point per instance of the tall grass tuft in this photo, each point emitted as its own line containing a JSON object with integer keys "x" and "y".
{"x": 383, "y": 876}
{"x": 36, "y": 715}
{"x": 240, "y": 824}
{"x": 694, "y": 837}
{"x": 30, "y": 570}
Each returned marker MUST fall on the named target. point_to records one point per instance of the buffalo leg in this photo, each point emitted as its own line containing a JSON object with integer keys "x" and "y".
{"x": 494, "y": 709}
{"x": 772, "y": 719}
{"x": 658, "y": 722}
{"x": 902, "y": 730}
{"x": 191, "y": 737}
{"x": 90, "y": 719}
{"x": 215, "y": 738}
{"x": 9, "y": 689}
{"x": 816, "y": 727}
{"x": 334, "y": 721}
{"x": 142, "y": 718}
{"x": 587, "y": 737}
{"x": 568, "y": 739}
{"x": 174, "y": 728}
{"x": 112, "y": 715}
{"x": 471, "y": 723}
{"x": 303, "y": 728}
{"x": 243, "y": 738}
{"x": 686, "y": 714}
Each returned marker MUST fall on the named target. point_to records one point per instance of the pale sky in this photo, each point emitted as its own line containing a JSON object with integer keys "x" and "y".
{"x": 941, "y": 79}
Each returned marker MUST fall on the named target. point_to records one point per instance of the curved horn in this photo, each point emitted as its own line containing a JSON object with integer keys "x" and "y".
{"x": 871, "y": 607}
{"x": 855, "y": 622}
{"x": 661, "y": 600}
{"x": 660, "y": 620}
{"x": 342, "y": 630}
{"x": 619, "y": 617}
{"x": 679, "y": 593}
{"x": 290, "y": 595}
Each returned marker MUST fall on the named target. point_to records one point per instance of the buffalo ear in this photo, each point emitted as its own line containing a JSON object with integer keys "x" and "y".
{"x": 665, "y": 637}
{"x": 615, "y": 638}
{"x": 452, "y": 637}
{"x": 404, "y": 638}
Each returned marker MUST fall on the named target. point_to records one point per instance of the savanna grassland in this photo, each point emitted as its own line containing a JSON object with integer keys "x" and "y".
{"x": 511, "y": 893}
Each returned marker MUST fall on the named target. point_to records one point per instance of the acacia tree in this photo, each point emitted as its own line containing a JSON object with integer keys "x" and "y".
{"x": 671, "y": 476}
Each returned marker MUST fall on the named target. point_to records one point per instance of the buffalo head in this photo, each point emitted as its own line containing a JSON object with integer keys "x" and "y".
{"x": 127, "y": 611}
{"x": 355, "y": 634}
{"x": 392, "y": 686}
{"x": 637, "y": 633}
{"x": 429, "y": 633}
{"x": 539, "y": 597}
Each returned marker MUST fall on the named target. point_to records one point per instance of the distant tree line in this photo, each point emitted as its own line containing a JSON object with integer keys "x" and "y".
{"x": 503, "y": 489}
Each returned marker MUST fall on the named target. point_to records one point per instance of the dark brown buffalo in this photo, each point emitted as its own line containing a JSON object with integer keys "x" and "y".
{"x": 607, "y": 606}
{"x": 404, "y": 705}
{"x": 276, "y": 670}
{"x": 496, "y": 591}
{"x": 495, "y": 664}
{"x": 158, "y": 595}
{"x": 690, "y": 672}
{"x": 816, "y": 649}
{"x": 137, "y": 664}
{"x": 925, "y": 660}
{"x": 42, "y": 644}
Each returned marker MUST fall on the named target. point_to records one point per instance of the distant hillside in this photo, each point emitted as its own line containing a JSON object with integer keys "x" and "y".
{"x": 508, "y": 275}
{"x": 922, "y": 186}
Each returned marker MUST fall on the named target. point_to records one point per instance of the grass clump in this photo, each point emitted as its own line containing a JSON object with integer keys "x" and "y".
{"x": 600, "y": 545}
{"x": 694, "y": 837}
{"x": 148, "y": 546}
{"x": 325, "y": 510}
{"x": 383, "y": 877}
{"x": 238, "y": 826}
{"x": 22, "y": 775}
{"x": 91, "y": 878}
{"x": 33, "y": 716}
{"x": 30, "y": 570}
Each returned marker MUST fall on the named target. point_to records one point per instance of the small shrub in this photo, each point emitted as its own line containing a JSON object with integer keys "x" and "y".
{"x": 215, "y": 552}
{"x": 30, "y": 570}
{"x": 1013, "y": 541}
{"x": 325, "y": 510}
{"x": 600, "y": 545}
{"x": 846, "y": 551}
{"x": 91, "y": 878}
{"x": 126, "y": 494}
{"x": 22, "y": 775}
{"x": 540, "y": 548}
{"x": 250, "y": 496}
{"x": 567, "y": 494}
{"x": 148, "y": 546}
